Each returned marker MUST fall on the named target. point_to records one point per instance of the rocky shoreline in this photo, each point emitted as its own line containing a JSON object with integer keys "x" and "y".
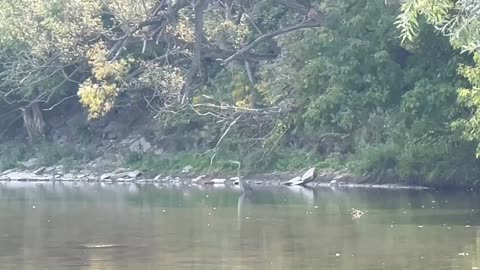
{"x": 310, "y": 178}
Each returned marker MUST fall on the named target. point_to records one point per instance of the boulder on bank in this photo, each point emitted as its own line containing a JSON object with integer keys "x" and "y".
{"x": 306, "y": 178}
{"x": 309, "y": 176}
{"x": 294, "y": 181}
{"x": 24, "y": 176}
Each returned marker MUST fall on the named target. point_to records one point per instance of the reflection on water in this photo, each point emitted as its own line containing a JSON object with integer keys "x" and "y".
{"x": 106, "y": 226}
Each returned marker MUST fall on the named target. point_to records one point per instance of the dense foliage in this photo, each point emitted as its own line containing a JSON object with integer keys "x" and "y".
{"x": 276, "y": 84}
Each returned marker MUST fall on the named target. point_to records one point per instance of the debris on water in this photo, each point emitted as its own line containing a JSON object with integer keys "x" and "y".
{"x": 163, "y": 211}
{"x": 474, "y": 268}
{"x": 449, "y": 228}
{"x": 214, "y": 208}
{"x": 356, "y": 214}
{"x": 99, "y": 246}
{"x": 420, "y": 226}
{"x": 48, "y": 221}
{"x": 316, "y": 207}
{"x": 206, "y": 196}
{"x": 423, "y": 206}
{"x": 404, "y": 212}
{"x": 463, "y": 254}
{"x": 467, "y": 226}
{"x": 337, "y": 254}
{"x": 433, "y": 201}
{"x": 391, "y": 226}
{"x": 247, "y": 217}
{"x": 34, "y": 207}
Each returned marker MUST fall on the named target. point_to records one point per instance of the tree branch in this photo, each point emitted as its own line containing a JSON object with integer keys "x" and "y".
{"x": 268, "y": 36}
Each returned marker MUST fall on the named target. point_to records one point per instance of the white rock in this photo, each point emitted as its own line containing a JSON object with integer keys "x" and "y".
{"x": 40, "y": 171}
{"x": 217, "y": 181}
{"x": 133, "y": 174}
{"x": 198, "y": 179}
{"x": 294, "y": 181}
{"x": 26, "y": 176}
{"x": 308, "y": 176}
{"x": 8, "y": 171}
{"x": 158, "y": 177}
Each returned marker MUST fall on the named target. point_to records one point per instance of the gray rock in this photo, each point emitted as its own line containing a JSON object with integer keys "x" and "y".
{"x": 198, "y": 179}
{"x": 140, "y": 146}
{"x": 113, "y": 130}
{"x": 106, "y": 176}
{"x": 39, "y": 171}
{"x": 31, "y": 163}
{"x": 120, "y": 170}
{"x": 130, "y": 175}
{"x": 8, "y": 171}
{"x": 69, "y": 175}
{"x": 121, "y": 179}
{"x": 49, "y": 169}
{"x": 215, "y": 181}
{"x": 308, "y": 176}
{"x": 294, "y": 181}
{"x": 22, "y": 176}
{"x": 218, "y": 181}
{"x": 187, "y": 169}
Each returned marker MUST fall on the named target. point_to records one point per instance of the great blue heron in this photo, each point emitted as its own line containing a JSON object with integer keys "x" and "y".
{"x": 243, "y": 185}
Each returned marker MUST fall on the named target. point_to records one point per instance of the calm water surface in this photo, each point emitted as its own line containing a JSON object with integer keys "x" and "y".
{"x": 62, "y": 226}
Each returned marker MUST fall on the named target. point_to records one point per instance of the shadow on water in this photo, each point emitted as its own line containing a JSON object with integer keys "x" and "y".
{"x": 131, "y": 226}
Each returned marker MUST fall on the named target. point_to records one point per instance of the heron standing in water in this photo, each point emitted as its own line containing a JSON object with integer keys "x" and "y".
{"x": 246, "y": 188}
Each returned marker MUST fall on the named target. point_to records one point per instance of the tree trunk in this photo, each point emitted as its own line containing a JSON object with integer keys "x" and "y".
{"x": 33, "y": 121}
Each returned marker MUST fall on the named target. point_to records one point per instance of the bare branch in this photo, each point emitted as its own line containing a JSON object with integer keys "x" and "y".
{"x": 270, "y": 35}
{"x": 215, "y": 149}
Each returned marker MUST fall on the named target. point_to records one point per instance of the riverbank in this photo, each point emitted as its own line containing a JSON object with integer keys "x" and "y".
{"x": 322, "y": 178}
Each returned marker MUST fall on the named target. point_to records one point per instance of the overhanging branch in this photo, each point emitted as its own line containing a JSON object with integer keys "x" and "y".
{"x": 268, "y": 36}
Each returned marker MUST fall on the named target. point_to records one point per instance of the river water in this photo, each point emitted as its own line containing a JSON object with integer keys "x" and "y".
{"x": 115, "y": 226}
